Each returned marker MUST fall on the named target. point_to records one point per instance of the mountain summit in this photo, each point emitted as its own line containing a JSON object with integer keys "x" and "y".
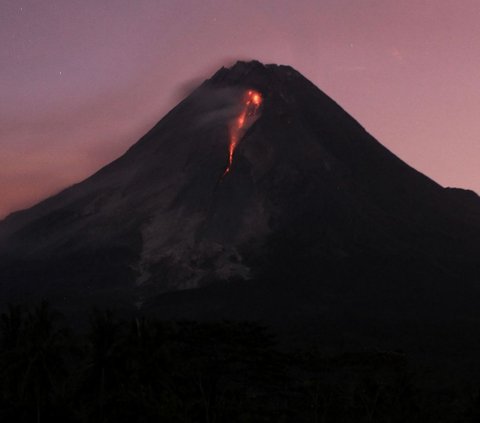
{"x": 256, "y": 173}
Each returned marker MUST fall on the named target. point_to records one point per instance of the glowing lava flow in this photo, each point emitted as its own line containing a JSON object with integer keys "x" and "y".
{"x": 251, "y": 103}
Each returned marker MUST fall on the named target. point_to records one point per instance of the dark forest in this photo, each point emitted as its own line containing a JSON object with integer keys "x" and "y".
{"x": 147, "y": 370}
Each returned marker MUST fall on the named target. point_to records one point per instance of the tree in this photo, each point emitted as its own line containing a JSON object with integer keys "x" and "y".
{"x": 33, "y": 359}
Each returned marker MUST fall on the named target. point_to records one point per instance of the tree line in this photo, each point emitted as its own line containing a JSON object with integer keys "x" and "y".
{"x": 147, "y": 370}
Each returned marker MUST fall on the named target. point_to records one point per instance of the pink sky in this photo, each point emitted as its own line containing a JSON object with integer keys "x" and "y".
{"x": 81, "y": 81}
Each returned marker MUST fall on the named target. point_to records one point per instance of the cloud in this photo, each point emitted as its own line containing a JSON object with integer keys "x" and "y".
{"x": 221, "y": 105}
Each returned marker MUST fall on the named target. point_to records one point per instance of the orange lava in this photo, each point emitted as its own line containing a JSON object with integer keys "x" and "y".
{"x": 251, "y": 103}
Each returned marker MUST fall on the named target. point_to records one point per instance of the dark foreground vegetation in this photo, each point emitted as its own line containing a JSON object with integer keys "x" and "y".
{"x": 151, "y": 371}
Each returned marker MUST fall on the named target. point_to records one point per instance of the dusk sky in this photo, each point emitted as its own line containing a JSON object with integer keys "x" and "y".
{"x": 81, "y": 81}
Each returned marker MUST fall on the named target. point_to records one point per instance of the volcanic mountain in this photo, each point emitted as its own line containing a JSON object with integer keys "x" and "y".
{"x": 256, "y": 182}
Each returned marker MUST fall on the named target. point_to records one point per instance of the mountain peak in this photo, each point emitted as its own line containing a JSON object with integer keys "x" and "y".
{"x": 257, "y": 66}
{"x": 253, "y": 74}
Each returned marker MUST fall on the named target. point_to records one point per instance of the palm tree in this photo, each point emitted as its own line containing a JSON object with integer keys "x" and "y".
{"x": 11, "y": 331}
{"x": 33, "y": 351}
{"x": 104, "y": 367}
{"x": 11, "y": 325}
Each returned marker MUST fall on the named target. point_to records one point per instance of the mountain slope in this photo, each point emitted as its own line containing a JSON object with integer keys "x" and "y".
{"x": 307, "y": 185}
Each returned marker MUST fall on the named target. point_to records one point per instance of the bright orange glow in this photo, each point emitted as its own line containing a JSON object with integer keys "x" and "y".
{"x": 251, "y": 103}
{"x": 241, "y": 120}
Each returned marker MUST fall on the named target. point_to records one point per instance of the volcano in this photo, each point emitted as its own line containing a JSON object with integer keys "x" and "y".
{"x": 256, "y": 195}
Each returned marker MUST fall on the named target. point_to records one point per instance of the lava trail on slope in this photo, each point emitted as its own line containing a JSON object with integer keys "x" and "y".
{"x": 251, "y": 103}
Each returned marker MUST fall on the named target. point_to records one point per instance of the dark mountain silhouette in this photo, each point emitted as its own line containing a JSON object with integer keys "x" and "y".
{"x": 315, "y": 220}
